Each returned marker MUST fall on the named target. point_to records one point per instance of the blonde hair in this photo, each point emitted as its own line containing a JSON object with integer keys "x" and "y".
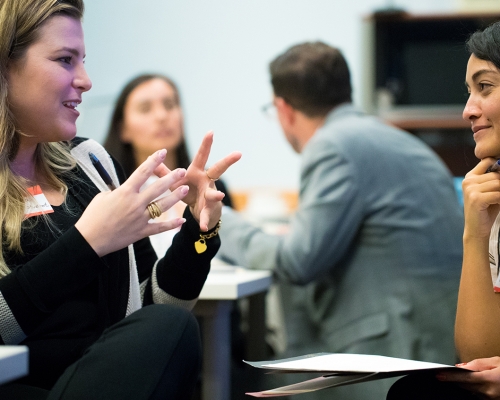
{"x": 20, "y": 21}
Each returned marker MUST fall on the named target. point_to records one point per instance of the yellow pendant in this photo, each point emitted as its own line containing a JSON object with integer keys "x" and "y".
{"x": 200, "y": 246}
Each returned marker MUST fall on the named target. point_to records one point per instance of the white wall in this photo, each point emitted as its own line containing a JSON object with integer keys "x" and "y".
{"x": 218, "y": 52}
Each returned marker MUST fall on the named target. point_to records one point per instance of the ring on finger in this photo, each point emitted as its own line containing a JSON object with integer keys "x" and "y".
{"x": 209, "y": 177}
{"x": 154, "y": 210}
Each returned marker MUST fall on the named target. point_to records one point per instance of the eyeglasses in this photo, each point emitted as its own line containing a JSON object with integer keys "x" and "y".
{"x": 270, "y": 111}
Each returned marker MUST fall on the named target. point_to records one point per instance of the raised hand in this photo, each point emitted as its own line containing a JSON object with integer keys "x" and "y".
{"x": 203, "y": 199}
{"x": 113, "y": 220}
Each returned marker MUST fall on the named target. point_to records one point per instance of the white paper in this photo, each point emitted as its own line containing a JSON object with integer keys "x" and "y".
{"x": 363, "y": 363}
{"x": 312, "y": 385}
{"x": 340, "y": 369}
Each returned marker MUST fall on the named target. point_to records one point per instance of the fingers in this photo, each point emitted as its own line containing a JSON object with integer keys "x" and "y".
{"x": 145, "y": 170}
{"x": 474, "y": 372}
{"x": 482, "y": 166}
{"x": 481, "y": 364}
{"x": 484, "y": 384}
{"x": 481, "y": 190}
{"x": 159, "y": 227}
{"x": 161, "y": 170}
{"x": 213, "y": 195}
{"x": 211, "y": 211}
{"x": 458, "y": 376}
{"x": 221, "y": 166}
{"x": 168, "y": 201}
{"x": 201, "y": 156}
{"x": 163, "y": 184}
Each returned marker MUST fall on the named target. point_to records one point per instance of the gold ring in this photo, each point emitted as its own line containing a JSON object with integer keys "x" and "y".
{"x": 154, "y": 210}
{"x": 212, "y": 179}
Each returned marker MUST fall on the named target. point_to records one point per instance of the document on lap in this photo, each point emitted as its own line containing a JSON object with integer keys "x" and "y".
{"x": 340, "y": 369}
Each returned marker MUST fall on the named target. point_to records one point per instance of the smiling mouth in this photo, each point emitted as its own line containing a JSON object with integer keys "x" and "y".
{"x": 164, "y": 133}
{"x": 71, "y": 104}
{"x": 479, "y": 128}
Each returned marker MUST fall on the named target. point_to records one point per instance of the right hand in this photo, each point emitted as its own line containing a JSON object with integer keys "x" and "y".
{"x": 203, "y": 199}
{"x": 483, "y": 380}
{"x": 481, "y": 199}
{"x": 114, "y": 220}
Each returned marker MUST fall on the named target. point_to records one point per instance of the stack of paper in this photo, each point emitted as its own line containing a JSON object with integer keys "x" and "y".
{"x": 339, "y": 369}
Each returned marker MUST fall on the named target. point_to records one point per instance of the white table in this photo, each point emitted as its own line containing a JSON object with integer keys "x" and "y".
{"x": 13, "y": 362}
{"x": 224, "y": 285}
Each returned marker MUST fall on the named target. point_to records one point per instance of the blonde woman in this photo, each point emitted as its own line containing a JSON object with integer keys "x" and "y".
{"x": 76, "y": 265}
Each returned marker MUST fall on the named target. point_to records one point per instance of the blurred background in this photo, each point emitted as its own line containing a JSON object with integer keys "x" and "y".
{"x": 218, "y": 53}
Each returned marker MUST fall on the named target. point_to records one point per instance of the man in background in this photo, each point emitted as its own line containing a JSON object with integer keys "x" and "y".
{"x": 372, "y": 260}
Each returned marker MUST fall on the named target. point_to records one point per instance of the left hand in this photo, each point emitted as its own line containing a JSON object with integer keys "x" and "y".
{"x": 203, "y": 199}
{"x": 483, "y": 380}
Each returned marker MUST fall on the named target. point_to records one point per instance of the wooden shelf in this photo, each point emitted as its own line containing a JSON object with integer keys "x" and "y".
{"x": 412, "y": 118}
{"x": 412, "y": 124}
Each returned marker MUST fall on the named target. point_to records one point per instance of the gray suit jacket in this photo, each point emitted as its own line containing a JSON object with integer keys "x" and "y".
{"x": 372, "y": 260}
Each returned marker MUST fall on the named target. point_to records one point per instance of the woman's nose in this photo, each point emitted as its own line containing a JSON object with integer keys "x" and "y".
{"x": 472, "y": 109}
{"x": 82, "y": 80}
{"x": 161, "y": 113}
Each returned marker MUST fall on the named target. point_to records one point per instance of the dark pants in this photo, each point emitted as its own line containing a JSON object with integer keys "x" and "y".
{"x": 421, "y": 386}
{"x": 155, "y": 353}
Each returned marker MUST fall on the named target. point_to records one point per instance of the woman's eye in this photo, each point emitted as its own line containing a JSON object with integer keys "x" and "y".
{"x": 66, "y": 60}
{"x": 483, "y": 86}
{"x": 169, "y": 104}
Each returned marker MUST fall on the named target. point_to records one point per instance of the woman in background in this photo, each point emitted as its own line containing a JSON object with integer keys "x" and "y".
{"x": 148, "y": 116}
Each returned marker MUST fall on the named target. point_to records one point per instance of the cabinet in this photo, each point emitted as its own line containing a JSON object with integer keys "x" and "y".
{"x": 413, "y": 77}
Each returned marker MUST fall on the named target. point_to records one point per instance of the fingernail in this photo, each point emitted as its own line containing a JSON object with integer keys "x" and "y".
{"x": 184, "y": 189}
{"x": 461, "y": 364}
{"x": 181, "y": 172}
{"x": 162, "y": 153}
{"x": 182, "y": 220}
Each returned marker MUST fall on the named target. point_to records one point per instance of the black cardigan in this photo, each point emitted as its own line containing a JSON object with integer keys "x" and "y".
{"x": 64, "y": 297}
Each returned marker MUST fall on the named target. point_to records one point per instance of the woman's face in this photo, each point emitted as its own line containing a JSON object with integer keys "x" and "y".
{"x": 483, "y": 106}
{"x": 152, "y": 118}
{"x": 46, "y": 84}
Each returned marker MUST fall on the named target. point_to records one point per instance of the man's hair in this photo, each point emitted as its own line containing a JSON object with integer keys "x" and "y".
{"x": 485, "y": 44}
{"x": 312, "y": 77}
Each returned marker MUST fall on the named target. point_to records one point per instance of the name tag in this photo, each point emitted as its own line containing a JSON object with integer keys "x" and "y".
{"x": 36, "y": 205}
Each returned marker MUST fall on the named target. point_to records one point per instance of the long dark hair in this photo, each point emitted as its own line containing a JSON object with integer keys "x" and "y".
{"x": 123, "y": 152}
